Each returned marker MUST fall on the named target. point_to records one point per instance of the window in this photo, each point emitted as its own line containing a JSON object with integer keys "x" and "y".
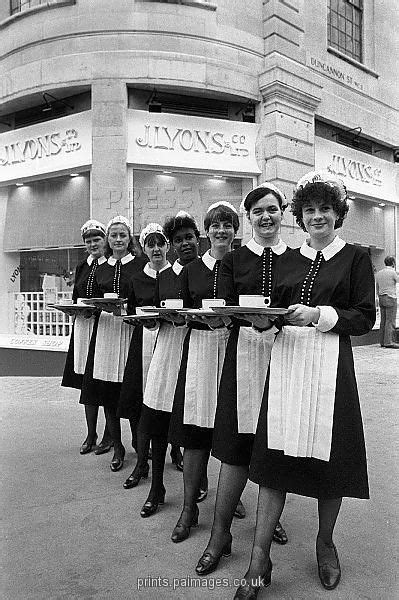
{"x": 208, "y": 3}
{"x": 18, "y": 6}
{"x": 344, "y": 23}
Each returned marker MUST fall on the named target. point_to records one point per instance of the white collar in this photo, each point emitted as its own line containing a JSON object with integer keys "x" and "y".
{"x": 100, "y": 261}
{"x": 328, "y": 252}
{"x": 256, "y": 248}
{"x": 126, "y": 259}
{"x": 152, "y": 272}
{"x": 177, "y": 267}
{"x": 208, "y": 260}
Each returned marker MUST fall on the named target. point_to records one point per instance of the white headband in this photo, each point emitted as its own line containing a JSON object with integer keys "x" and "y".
{"x": 119, "y": 219}
{"x": 182, "y": 214}
{"x": 92, "y": 225}
{"x": 323, "y": 176}
{"x": 222, "y": 203}
{"x": 151, "y": 228}
{"x": 269, "y": 186}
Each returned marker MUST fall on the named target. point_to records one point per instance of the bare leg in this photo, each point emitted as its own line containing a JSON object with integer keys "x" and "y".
{"x": 270, "y": 506}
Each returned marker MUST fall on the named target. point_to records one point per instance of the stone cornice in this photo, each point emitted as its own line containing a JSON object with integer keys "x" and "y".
{"x": 277, "y": 90}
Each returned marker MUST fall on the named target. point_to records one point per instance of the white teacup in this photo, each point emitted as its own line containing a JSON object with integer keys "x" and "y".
{"x": 81, "y": 300}
{"x": 254, "y": 301}
{"x": 111, "y": 295}
{"x": 208, "y": 303}
{"x": 172, "y": 303}
{"x": 141, "y": 312}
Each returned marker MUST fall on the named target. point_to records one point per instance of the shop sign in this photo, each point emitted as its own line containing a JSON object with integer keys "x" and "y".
{"x": 194, "y": 142}
{"x": 56, "y": 145}
{"x": 31, "y": 342}
{"x": 362, "y": 173}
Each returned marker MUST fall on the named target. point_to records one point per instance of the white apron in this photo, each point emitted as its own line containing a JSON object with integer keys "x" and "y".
{"x": 112, "y": 348}
{"x": 253, "y": 356}
{"x": 164, "y": 368}
{"x": 204, "y": 368}
{"x": 303, "y": 372}
{"x": 149, "y": 339}
{"x": 82, "y": 330}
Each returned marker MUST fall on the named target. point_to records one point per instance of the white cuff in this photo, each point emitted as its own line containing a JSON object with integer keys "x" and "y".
{"x": 328, "y": 318}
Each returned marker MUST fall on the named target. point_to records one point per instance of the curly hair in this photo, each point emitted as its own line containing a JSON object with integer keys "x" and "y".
{"x": 221, "y": 213}
{"x": 174, "y": 224}
{"x": 319, "y": 192}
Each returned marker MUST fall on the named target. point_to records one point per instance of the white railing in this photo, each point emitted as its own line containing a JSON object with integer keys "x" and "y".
{"x": 33, "y": 317}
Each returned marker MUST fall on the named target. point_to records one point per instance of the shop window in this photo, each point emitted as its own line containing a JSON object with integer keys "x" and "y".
{"x": 344, "y": 21}
{"x": 53, "y": 269}
{"x": 157, "y": 196}
{"x": 18, "y": 6}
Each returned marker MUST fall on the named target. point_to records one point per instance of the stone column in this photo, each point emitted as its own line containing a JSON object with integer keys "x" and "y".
{"x": 109, "y": 183}
{"x": 290, "y": 96}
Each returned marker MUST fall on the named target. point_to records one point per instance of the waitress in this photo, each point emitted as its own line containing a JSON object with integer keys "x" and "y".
{"x": 204, "y": 348}
{"x": 251, "y": 269}
{"x": 93, "y": 234}
{"x": 183, "y": 235}
{"x": 142, "y": 293}
{"x": 110, "y": 340}
{"x": 309, "y": 439}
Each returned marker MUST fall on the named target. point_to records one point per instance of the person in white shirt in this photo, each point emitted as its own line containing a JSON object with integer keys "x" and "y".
{"x": 386, "y": 280}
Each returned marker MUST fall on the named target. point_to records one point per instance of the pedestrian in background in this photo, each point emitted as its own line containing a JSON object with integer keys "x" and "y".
{"x": 386, "y": 280}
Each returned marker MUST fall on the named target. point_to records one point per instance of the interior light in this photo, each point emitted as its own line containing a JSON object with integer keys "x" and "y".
{"x": 381, "y": 204}
{"x": 167, "y": 172}
{"x": 352, "y": 197}
{"x": 218, "y": 176}
{"x": 19, "y": 184}
{"x": 74, "y": 174}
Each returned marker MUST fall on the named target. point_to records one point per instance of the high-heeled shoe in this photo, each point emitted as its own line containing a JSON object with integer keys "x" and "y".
{"x": 117, "y": 460}
{"x": 134, "y": 478}
{"x": 279, "y": 535}
{"x": 177, "y": 458}
{"x": 202, "y": 494}
{"x": 151, "y": 506}
{"x": 329, "y": 574}
{"x": 250, "y": 591}
{"x": 209, "y": 563}
{"x": 103, "y": 447}
{"x": 182, "y": 530}
{"x": 88, "y": 445}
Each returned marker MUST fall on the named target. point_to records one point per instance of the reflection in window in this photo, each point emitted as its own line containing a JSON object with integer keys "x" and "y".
{"x": 17, "y": 6}
{"x": 345, "y": 26}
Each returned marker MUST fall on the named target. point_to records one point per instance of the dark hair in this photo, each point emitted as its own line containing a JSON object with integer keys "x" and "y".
{"x": 155, "y": 237}
{"x": 92, "y": 233}
{"x": 319, "y": 192}
{"x": 174, "y": 224}
{"x": 389, "y": 261}
{"x": 259, "y": 193}
{"x": 133, "y": 246}
{"x": 221, "y": 213}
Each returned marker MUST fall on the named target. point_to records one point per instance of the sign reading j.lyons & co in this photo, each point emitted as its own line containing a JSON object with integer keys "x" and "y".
{"x": 161, "y": 139}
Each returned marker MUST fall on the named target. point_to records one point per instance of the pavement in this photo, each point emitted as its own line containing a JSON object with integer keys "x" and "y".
{"x": 71, "y": 532}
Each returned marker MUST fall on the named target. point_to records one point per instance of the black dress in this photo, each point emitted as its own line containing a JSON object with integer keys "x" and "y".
{"x": 83, "y": 288}
{"x": 200, "y": 280}
{"x": 345, "y": 282}
{"x": 247, "y": 270}
{"x": 99, "y": 392}
{"x": 142, "y": 292}
{"x": 165, "y": 363}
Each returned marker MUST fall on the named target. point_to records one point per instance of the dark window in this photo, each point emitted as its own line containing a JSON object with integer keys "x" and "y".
{"x": 345, "y": 26}
{"x": 17, "y": 6}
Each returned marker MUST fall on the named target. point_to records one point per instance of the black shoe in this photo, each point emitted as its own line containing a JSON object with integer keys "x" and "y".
{"x": 329, "y": 573}
{"x": 134, "y": 478}
{"x": 250, "y": 591}
{"x": 177, "y": 457}
{"x": 240, "y": 512}
{"x": 280, "y": 535}
{"x": 117, "y": 461}
{"x": 103, "y": 447}
{"x": 151, "y": 506}
{"x": 88, "y": 445}
{"x": 209, "y": 563}
{"x": 202, "y": 494}
{"x": 182, "y": 530}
